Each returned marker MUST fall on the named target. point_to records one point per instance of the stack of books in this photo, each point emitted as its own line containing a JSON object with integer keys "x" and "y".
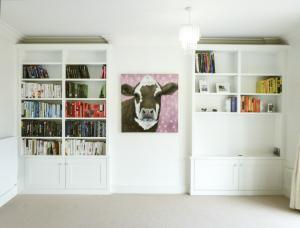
{"x": 77, "y": 71}
{"x": 34, "y": 128}
{"x": 85, "y": 128}
{"x": 75, "y": 90}
{"x": 34, "y": 109}
{"x": 83, "y": 147}
{"x": 38, "y": 90}
{"x": 41, "y": 147}
{"x": 103, "y": 71}
{"x": 250, "y": 104}
{"x": 231, "y": 104}
{"x": 83, "y": 109}
{"x": 205, "y": 62}
{"x": 269, "y": 85}
{"x": 34, "y": 71}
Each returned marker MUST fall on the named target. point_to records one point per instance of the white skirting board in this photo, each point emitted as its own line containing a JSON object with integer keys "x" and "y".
{"x": 288, "y": 174}
{"x": 131, "y": 189}
{"x": 7, "y": 196}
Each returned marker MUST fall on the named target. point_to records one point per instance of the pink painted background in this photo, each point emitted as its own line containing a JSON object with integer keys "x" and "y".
{"x": 168, "y": 118}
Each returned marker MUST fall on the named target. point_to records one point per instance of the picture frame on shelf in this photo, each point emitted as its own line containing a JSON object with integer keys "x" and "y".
{"x": 222, "y": 87}
{"x": 203, "y": 86}
{"x": 270, "y": 107}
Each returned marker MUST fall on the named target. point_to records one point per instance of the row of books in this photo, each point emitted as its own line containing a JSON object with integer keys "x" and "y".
{"x": 269, "y": 85}
{"x": 38, "y": 90}
{"x": 85, "y": 128}
{"x": 77, "y": 71}
{"x": 205, "y": 62}
{"x": 34, "y": 109}
{"x": 231, "y": 104}
{"x": 83, "y": 109}
{"x": 34, "y": 71}
{"x": 250, "y": 104}
{"x": 41, "y": 147}
{"x": 76, "y": 90}
{"x": 83, "y": 147}
{"x": 34, "y": 128}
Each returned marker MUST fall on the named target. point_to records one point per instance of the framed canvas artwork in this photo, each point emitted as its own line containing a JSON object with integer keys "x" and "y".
{"x": 149, "y": 102}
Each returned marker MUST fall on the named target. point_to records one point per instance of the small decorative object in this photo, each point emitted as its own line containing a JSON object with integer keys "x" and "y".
{"x": 276, "y": 151}
{"x": 270, "y": 108}
{"x": 149, "y": 102}
{"x": 203, "y": 86}
{"x": 214, "y": 110}
{"x": 222, "y": 87}
{"x": 203, "y": 109}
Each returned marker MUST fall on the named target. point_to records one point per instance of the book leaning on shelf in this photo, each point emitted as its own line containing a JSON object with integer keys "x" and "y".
{"x": 83, "y": 109}
{"x": 85, "y": 128}
{"x": 35, "y": 128}
{"x": 77, "y": 71}
{"x": 83, "y": 147}
{"x": 251, "y": 104}
{"x": 41, "y": 147}
{"x": 269, "y": 85}
{"x": 35, "y": 109}
{"x": 76, "y": 90}
{"x": 34, "y": 71}
{"x": 38, "y": 90}
{"x": 205, "y": 62}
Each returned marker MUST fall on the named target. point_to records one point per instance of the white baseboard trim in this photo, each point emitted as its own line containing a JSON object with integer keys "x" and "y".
{"x": 131, "y": 189}
{"x": 237, "y": 193}
{"x": 287, "y": 181}
{"x": 7, "y": 196}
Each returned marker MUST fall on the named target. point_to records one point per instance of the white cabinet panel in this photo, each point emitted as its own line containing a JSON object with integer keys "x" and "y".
{"x": 260, "y": 174}
{"x": 221, "y": 174}
{"x": 45, "y": 173}
{"x": 85, "y": 173}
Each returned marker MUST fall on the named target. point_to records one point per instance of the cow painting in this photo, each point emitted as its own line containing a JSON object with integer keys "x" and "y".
{"x": 149, "y": 103}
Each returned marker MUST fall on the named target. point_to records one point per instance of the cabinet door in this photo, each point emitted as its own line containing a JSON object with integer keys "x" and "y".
{"x": 44, "y": 173}
{"x": 83, "y": 173}
{"x": 215, "y": 174}
{"x": 260, "y": 175}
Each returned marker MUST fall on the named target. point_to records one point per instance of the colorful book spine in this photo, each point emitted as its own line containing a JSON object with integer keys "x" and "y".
{"x": 85, "y": 128}
{"x": 84, "y": 147}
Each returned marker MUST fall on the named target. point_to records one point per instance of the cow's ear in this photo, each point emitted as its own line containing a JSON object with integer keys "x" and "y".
{"x": 169, "y": 88}
{"x": 127, "y": 90}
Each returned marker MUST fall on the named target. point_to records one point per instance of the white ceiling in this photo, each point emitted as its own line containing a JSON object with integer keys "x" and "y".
{"x": 151, "y": 18}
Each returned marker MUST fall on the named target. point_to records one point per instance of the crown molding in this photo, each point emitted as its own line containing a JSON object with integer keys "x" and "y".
{"x": 9, "y": 32}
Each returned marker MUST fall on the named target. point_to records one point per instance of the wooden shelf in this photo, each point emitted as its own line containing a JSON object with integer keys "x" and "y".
{"x": 216, "y": 94}
{"x": 85, "y": 80}
{"x": 41, "y": 99}
{"x": 85, "y": 99}
{"x": 36, "y": 137}
{"x": 40, "y": 118}
{"x": 85, "y": 118}
{"x": 86, "y": 63}
{"x": 42, "y": 63}
{"x": 86, "y": 138}
{"x": 260, "y": 75}
{"x": 260, "y": 94}
{"x": 41, "y": 79}
{"x": 217, "y": 74}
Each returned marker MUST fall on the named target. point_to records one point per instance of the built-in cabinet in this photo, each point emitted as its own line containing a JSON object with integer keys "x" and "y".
{"x": 238, "y": 108}
{"x": 234, "y": 176}
{"x": 64, "y": 117}
{"x": 65, "y": 173}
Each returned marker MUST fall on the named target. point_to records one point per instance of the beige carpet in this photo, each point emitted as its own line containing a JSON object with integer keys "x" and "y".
{"x": 143, "y": 211}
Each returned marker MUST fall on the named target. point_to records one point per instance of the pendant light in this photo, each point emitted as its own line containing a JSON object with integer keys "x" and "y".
{"x": 189, "y": 34}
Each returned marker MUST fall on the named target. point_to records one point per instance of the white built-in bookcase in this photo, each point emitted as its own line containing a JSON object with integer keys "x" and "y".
{"x": 240, "y": 66}
{"x": 229, "y": 148}
{"x": 66, "y": 173}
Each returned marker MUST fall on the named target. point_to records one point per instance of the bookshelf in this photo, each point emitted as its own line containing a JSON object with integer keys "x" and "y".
{"x": 78, "y": 149}
{"x": 233, "y": 144}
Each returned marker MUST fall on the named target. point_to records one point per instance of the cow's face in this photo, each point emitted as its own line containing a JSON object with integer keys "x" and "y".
{"x": 147, "y": 99}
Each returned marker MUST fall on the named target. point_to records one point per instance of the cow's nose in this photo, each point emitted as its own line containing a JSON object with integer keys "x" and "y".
{"x": 148, "y": 113}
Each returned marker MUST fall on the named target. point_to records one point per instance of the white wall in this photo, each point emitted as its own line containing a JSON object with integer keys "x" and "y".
{"x": 292, "y": 107}
{"x": 150, "y": 162}
{"x": 8, "y": 87}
